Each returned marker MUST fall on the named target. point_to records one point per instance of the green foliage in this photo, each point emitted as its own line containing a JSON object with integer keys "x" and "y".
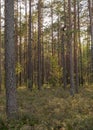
{"x": 86, "y": 62}
{"x": 55, "y": 72}
{"x": 3, "y": 125}
{"x": 19, "y": 68}
{"x": 84, "y": 123}
{"x": 29, "y": 119}
{"x": 23, "y": 122}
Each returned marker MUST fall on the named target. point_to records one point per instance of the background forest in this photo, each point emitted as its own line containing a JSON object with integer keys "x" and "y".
{"x": 46, "y": 65}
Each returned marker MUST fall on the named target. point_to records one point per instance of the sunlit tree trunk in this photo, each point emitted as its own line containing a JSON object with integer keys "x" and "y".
{"x": 75, "y": 49}
{"x": 70, "y": 49}
{"x": 80, "y": 48}
{"x": 52, "y": 38}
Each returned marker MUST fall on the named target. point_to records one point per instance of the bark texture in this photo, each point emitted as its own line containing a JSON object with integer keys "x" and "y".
{"x": 10, "y": 79}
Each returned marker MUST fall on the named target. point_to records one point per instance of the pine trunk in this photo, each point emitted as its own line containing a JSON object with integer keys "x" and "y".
{"x": 10, "y": 79}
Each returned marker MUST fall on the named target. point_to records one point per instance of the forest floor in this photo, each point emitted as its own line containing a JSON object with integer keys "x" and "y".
{"x": 51, "y": 109}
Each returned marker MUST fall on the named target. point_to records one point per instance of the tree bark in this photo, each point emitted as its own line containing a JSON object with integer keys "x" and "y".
{"x": 39, "y": 44}
{"x": 75, "y": 49}
{"x": 0, "y": 50}
{"x": 90, "y": 5}
{"x": 70, "y": 49}
{"x": 20, "y": 50}
{"x": 10, "y": 79}
{"x": 80, "y": 48}
{"x": 30, "y": 67}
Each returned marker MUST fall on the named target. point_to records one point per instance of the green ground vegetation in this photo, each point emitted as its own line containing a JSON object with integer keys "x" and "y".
{"x": 50, "y": 109}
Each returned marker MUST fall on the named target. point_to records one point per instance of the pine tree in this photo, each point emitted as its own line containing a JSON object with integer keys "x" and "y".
{"x": 10, "y": 79}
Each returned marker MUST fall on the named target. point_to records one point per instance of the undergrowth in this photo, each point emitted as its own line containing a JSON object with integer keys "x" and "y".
{"x": 50, "y": 109}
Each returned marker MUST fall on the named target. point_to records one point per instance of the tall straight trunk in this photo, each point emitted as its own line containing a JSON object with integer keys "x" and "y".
{"x": 10, "y": 79}
{"x": 16, "y": 36}
{"x": 42, "y": 47}
{"x": 43, "y": 70}
{"x": 63, "y": 49}
{"x": 52, "y": 41}
{"x": 30, "y": 67}
{"x": 63, "y": 59}
{"x": 90, "y": 5}
{"x": 26, "y": 44}
{"x": 35, "y": 59}
{"x": 80, "y": 48}
{"x": 58, "y": 35}
{"x": 20, "y": 50}
{"x": 88, "y": 55}
{"x": 70, "y": 49}
{"x": 39, "y": 44}
{"x": 0, "y": 49}
{"x": 75, "y": 49}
